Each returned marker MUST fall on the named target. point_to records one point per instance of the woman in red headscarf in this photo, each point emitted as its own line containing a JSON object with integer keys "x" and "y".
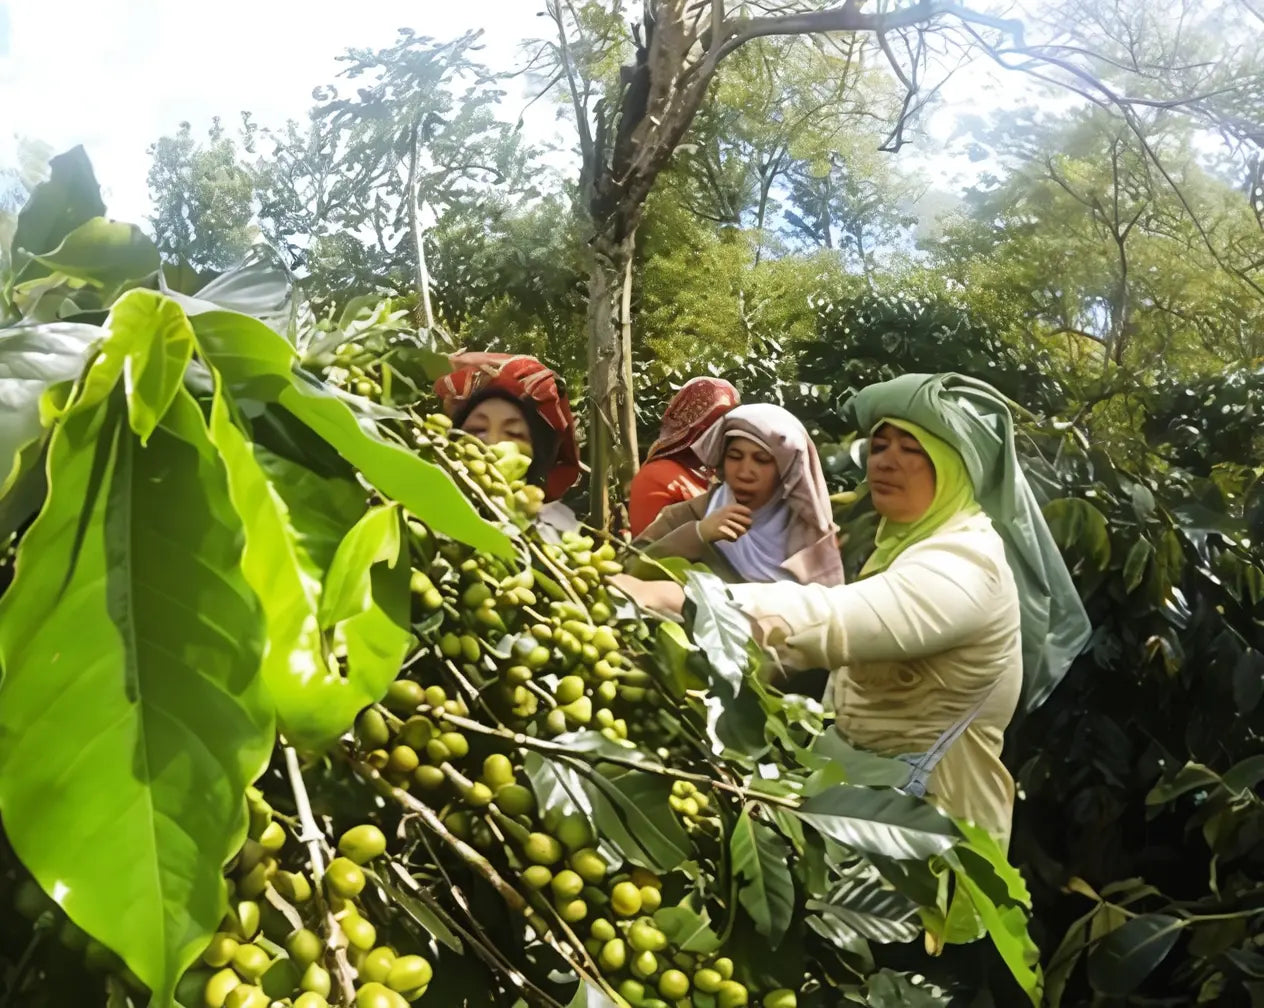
{"x": 512, "y": 397}
{"x": 672, "y": 472}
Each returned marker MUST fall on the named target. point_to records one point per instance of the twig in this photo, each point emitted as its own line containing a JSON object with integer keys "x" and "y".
{"x": 313, "y": 838}
{"x": 473, "y": 858}
{"x": 566, "y": 752}
{"x": 483, "y": 949}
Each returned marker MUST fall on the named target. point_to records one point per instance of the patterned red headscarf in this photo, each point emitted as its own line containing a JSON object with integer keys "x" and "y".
{"x": 699, "y": 403}
{"x": 523, "y": 378}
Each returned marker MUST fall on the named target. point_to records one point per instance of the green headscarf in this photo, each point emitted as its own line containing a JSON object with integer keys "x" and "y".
{"x": 974, "y": 418}
{"x": 954, "y": 494}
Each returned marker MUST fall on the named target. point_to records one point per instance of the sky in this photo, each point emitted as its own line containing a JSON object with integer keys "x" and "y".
{"x": 116, "y": 76}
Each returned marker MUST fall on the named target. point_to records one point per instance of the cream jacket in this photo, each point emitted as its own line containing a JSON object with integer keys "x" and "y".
{"x": 914, "y": 649}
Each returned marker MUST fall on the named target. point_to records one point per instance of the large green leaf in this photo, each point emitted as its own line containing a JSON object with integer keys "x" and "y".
{"x": 880, "y": 821}
{"x": 888, "y": 989}
{"x": 1130, "y": 953}
{"x": 633, "y": 805}
{"x": 364, "y": 610}
{"x": 1080, "y": 530}
{"x": 719, "y": 628}
{"x": 148, "y": 343}
{"x": 761, "y": 860}
{"x": 629, "y": 811}
{"x": 1007, "y": 927}
{"x": 864, "y": 906}
{"x": 422, "y": 487}
{"x": 247, "y": 353}
{"x": 259, "y": 286}
{"x": 104, "y": 253}
{"x": 318, "y": 602}
{"x": 67, "y": 199}
{"x": 132, "y": 714}
{"x": 32, "y": 358}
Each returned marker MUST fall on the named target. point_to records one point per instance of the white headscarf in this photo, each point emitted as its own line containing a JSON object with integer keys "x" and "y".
{"x": 797, "y": 526}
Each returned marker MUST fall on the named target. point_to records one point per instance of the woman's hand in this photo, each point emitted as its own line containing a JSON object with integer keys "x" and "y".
{"x": 662, "y": 596}
{"x": 729, "y": 523}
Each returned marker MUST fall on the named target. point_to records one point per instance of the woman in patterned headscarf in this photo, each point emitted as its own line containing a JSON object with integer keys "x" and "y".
{"x": 512, "y": 397}
{"x": 672, "y": 472}
{"x": 769, "y": 519}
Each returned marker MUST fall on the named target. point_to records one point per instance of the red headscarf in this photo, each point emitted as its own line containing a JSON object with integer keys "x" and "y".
{"x": 699, "y": 403}
{"x": 523, "y": 378}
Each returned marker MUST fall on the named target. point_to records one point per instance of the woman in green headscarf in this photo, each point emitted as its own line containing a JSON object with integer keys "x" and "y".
{"x": 964, "y": 609}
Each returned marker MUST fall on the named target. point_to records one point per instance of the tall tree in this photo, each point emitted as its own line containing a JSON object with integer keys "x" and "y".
{"x": 203, "y": 198}
{"x": 628, "y": 134}
{"x": 353, "y": 193}
{"x": 1096, "y": 245}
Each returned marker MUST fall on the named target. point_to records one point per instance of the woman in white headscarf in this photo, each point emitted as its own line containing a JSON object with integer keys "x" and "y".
{"x": 770, "y": 517}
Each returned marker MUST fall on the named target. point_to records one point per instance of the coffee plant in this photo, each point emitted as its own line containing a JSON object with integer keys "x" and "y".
{"x": 300, "y": 707}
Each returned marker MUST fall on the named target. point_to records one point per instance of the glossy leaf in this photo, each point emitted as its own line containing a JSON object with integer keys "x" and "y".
{"x": 1136, "y": 563}
{"x": 888, "y": 989}
{"x": 864, "y": 907}
{"x": 1080, "y": 529}
{"x": 68, "y": 198}
{"x": 104, "y": 253}
{"x": 359, "y": 605}
{"x": 148, "y": 344}
{"x": 1190, "y": 777}
{"x": 1007, "y": 927}
{"x": 33, "y": 358}
{"x": 1130, "y": 953}
{"x": 259, "y": 286}
{"x": 131, "y": 688}
{"x": 880, "y": 821}
{"x": 1060, "y": 966}
{"x": 687, "y": 929}
{"x": 719, "y": 628}
{"x": 760, "y": 860}
{"x": 633, "y": 806}
{"x": 426, "y": 490}
{"x": 247, "y": 353}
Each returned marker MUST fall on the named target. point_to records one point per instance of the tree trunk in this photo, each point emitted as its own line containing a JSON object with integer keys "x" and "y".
{"x": 630, "y": 457}
{"x": 609, "y": 370}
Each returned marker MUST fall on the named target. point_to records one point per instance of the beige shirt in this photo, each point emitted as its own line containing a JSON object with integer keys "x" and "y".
{"x": 914, "y": 649}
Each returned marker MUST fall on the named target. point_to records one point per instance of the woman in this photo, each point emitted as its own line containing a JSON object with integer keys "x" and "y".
{"x": 511, "y": 397}
{"x": 672, "y": 472}
{"x": 770, "y": 519}
{"x": 964, "y": 607}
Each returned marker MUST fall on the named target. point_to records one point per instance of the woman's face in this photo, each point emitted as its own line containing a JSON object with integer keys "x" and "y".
{"x": 750, "y": 472}
{"x": 495, "y": 420}
{"x": 901, "y": 477}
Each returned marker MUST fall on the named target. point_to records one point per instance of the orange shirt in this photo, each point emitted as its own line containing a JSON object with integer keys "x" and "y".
{"x": 658, "y": 483}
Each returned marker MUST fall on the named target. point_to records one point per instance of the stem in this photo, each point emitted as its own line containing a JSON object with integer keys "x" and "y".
{"x": 566, "y": 752}
{"x": 475, "y": 860}
{"x": 20, "y": 966}
{"x": 432, "y": 821}
{"x": 488, "y": 953}
{"x": 313, "y": 838}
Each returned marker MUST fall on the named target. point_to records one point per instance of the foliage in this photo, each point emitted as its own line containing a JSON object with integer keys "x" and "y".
{"x": 1102, "y": 251}
{"x": 349, "y": 195}
{"x": 482, "y": 752}
{"x": 203, "y": 199}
